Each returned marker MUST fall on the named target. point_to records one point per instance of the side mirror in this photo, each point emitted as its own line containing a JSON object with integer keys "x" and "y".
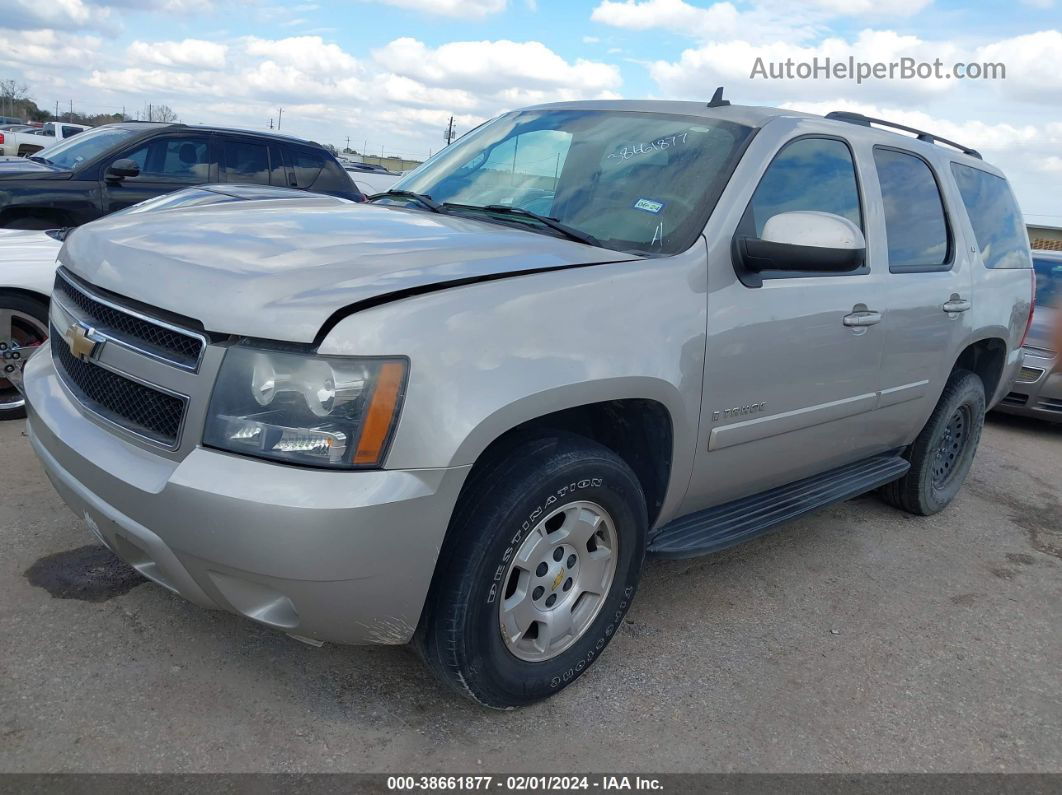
{"x": 804, "y": 241}
{"x": 120, "y": 169}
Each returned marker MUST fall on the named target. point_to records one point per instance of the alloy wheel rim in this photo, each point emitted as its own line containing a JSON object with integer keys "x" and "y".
{"x": 27, "y": 332}
{"x": 558, "y": 580}
{"x": 949, "y": 451}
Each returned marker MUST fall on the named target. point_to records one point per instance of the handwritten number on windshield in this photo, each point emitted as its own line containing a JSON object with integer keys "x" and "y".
{"x": 660, "y": 144}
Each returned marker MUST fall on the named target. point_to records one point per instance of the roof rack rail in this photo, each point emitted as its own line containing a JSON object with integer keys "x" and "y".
{"x": 922, "y": 135}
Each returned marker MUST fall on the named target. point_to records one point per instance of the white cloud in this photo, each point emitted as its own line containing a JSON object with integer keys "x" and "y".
{"x": 980, "y": 135}
{"x": 54, "y": 14}
{"x": 190, "y": 52}
{"x": 731, "y": 64}
{"x": 1041, "y": 4}
{"x": 716, "y": 22}
{"x": 47, "y": 48}
{"x": 1034, "y": 63}
{"x": 1053, "y": 164}
{"x": 875, "y": 8}
{"x": 759, "y": 21}
{"x": 307, "y": 53}
{"x": 473, "y": 9}
{"x": 497, "y": 66}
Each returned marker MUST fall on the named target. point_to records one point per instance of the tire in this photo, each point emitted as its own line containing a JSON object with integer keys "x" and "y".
{"x": 942, "y": 454}
{"x": 25, "y": 320}
{"x": 527, "y": 496}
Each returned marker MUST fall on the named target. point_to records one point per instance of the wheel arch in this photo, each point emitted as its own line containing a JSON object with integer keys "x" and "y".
{"x": 986, "y": 357}
{"x": 641, "y": 430}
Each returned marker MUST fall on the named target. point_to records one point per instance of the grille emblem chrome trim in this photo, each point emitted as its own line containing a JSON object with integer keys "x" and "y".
{"x": 83, "y": 341}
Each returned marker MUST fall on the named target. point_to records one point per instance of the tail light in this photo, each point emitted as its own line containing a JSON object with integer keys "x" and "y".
{"x": 1032, "y": 309}
{"x": 1, "y": 138}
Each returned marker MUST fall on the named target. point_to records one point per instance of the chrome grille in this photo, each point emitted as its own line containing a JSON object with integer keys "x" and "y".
{"x": 149, "y": 335}
{"x": 141, "y": 409}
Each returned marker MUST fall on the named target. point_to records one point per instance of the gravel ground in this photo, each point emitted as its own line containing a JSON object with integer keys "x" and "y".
{"x": 859, "y": 639}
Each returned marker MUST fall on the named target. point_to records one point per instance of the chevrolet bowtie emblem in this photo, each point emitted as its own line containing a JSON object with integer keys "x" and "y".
{"x": 82, "y": 340}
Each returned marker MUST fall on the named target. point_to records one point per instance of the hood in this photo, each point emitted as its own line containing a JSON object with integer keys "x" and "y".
{"x": 22, "y": 167}
{"x": 279, "y": 269}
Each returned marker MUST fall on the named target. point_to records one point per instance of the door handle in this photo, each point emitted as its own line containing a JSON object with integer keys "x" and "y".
{"x": 955, "y": 305}
{"x": 862, "y": 318}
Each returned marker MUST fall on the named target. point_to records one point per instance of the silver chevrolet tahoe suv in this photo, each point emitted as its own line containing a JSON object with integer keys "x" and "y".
{"x": 462, "y": 415}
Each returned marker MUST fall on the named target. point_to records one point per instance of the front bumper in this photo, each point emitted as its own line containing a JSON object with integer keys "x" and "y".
{"x": 1037, "y": 390}
{"x": 345, "y": 557}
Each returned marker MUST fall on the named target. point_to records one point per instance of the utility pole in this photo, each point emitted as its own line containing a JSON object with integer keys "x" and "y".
{"x": 348, "y": 143}
{"x": 57, "y": 110}
{"x": 449, "y": 133}
{"x": 280, "y": 116}
{"x": 70, "y": 116}
{"x": 270, "y": 122}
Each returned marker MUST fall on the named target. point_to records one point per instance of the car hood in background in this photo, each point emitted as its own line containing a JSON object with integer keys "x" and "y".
{"x": 279, "y": 269}
{"x": 21, "y": 168}
{"x": 27, "y": 260}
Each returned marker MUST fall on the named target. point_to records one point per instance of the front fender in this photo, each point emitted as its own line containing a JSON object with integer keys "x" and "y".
{"x": 488, "y": 357}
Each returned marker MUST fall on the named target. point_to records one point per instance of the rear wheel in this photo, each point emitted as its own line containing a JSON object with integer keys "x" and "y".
{"x": 542, "y": 561}
{"x": 24, "y": 322}
{"x": 942, "y": 454}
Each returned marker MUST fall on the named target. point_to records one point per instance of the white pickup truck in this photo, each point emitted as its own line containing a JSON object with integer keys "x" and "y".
{"x": 21, "y": 144}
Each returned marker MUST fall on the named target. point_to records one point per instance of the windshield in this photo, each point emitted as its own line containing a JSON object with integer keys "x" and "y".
{"x": 637, "y": 182}
{"x": 1048, "y": 281}
{"x": 74, "y": 151}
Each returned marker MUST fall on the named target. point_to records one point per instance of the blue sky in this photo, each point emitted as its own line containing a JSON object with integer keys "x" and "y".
{"x": 389, "y": 73}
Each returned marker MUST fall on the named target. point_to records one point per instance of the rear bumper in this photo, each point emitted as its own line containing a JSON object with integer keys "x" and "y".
{"x": 1037, "y": 389}
{"x": 345, "y": 557}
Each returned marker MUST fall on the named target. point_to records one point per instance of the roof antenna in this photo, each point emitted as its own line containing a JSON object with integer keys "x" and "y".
{"x": 717, "y": 99}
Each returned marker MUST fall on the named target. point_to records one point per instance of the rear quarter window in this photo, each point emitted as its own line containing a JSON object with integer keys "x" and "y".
{"x": 994, "y": 216}
{"x": 307, "y": 164}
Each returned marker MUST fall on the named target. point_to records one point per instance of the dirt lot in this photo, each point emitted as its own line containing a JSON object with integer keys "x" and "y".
{"x": 859, "y": 639}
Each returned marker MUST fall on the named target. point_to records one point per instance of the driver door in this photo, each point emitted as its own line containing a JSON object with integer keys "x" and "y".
{"x": 167, "y": 163}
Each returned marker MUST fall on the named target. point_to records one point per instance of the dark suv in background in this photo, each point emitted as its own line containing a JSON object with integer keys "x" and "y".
{"x": 118, "y": 165}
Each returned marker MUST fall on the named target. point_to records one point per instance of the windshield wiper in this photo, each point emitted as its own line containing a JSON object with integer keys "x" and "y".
{"x": 422, "y": 198}
{"x": 545, "y": 220}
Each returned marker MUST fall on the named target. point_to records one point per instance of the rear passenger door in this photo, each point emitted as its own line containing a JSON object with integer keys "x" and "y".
{"x": 929, "y": 283}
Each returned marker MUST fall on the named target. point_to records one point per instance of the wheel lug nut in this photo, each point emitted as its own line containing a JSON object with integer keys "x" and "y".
{"x": 537, "y": 593}
{"x": 558, "y": 553}
{"x": 542, "y": 569}
{"x": 571, "y": 561}
{"x": 551, "y": 600}
{"x": 568, "y": 584}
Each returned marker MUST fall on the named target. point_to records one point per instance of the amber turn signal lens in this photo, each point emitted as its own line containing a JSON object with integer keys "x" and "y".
{"x": 381, "y": 414}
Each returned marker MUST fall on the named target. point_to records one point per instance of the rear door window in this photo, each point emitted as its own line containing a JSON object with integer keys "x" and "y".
{"x": 994, "y": 215}
{"x": 245, "y": 161}
{"x": 307, "y": 164}
{"x": 916, "y": 227}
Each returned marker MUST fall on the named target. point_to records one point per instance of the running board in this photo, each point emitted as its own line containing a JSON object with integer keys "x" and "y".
{"x": 733, "y": 522}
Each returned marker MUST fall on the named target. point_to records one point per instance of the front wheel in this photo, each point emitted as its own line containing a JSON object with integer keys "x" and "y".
{"x": 942, "y": 454}
{"x": 541, "y": 563}
{"x": 24, "y": 322}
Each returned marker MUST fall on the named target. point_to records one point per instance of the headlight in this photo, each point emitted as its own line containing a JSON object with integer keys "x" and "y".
{"x": 331, "y": 411}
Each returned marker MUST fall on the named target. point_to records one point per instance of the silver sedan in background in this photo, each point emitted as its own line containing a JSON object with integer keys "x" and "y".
{"x": 1037, "y": 391}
